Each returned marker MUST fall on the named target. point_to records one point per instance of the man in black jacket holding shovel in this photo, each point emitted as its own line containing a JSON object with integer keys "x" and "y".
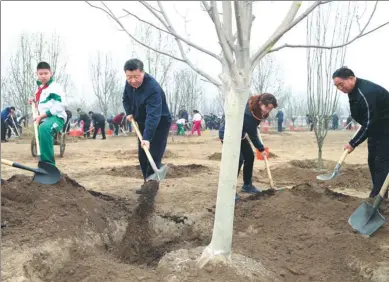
{"x": 369, "y": 106}
{"x": 145, "y": 101}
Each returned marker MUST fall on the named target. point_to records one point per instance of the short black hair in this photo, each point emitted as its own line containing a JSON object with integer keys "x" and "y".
{"x": 90, "y": 112}
{"x": 43, "y": 66}
{"x": 133, "y": 64}
{"x": 12, "y": 108}
{"x": 343, "y": 72}
{"x": 78, "y": 110}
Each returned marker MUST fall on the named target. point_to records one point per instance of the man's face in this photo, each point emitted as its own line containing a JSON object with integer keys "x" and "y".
{"x": 345, "y": 85}
{"x": 135, "y": 77}
{"x": 11, "y": 111}
{"x": 266, "y": 109}
{"x": 44, "y": 75}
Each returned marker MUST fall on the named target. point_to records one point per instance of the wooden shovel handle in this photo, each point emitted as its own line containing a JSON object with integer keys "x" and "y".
{"x": 266, "y": 163}
{"x": 384, "y": 187}
{"x": 149, "y": 157}
{"x": 6, "y": 162}
{"x": 343, "y": 157}
{"x": 38, "y": 147}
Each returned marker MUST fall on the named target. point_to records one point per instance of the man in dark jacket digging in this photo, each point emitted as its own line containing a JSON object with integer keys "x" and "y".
{"x": 145, "y": 101}
{"x": 86, "y": 119}
{"x": 369, "y": 106}
{"x": 98, "y": 121}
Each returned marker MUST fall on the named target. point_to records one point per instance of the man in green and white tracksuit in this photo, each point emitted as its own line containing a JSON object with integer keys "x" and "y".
{"x": 52, "y": 114}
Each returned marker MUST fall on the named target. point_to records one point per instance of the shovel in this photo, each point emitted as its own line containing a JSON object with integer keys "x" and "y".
{"x": 367, "y": 219}
{"x": 52, "y": 170}
{"x": 335, "y": 173}
{"x": 159, "y": 174}
{"x": 267, "y": 164}
{"x": 44, "y": 174}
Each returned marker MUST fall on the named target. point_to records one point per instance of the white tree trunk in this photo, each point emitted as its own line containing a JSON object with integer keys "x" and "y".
{"x": 220, "y": 246}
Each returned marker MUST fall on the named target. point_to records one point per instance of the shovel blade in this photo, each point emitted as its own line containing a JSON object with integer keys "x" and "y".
{"x": 325, "y": 177}
{"x": 158, "y": 175}
{"x": 47, "y": 174}
{"x": 366, "y": 219}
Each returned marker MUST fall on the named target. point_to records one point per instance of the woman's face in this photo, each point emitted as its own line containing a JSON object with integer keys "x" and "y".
{"x": 265, "y": 110}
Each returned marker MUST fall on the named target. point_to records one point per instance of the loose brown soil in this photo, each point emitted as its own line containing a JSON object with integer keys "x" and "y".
{"x": 351, "y": 176}
{"x": 127, "y": 154}
{"x": 303, "y": 235}
{"x": 65, "y": 232}
{"x": 174, "y": 171}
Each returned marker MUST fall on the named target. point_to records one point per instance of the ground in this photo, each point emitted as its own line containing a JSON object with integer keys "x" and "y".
{"x": 93, "y": 227}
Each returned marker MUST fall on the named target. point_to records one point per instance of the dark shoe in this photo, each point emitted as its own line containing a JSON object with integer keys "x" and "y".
{"x": 104, "y": 138}
{"x": 250, "y": 188}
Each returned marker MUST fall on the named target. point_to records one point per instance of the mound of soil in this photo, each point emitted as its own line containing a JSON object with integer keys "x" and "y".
{"x": 215, "y": 157}
{"x": 303, "y": 235}
{"x": 64, "y": 232}
{"x": 300, "y": 171}
{"x": 35, "y": 212}
{"x": 272, "y": 155}
{"x": 218, "y": 156}
{"x": 128, "y": 154}
{"x": 174, "y": 171}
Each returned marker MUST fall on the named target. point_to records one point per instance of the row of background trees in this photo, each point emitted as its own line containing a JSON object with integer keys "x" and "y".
{"x": 183, "y": 86}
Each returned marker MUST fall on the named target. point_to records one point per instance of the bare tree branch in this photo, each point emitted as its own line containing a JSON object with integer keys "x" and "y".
{"x": 189, "y": 62}
{"x": 221, "y": 35}
{"x": 117, "y": 20}
{"x": 360, "y": 35}
{"x": 238, "y": 23}
{"x": 286, "y": 25}
{"x": 171, "y": 32}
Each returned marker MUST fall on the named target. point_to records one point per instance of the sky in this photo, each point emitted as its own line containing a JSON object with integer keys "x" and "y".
{"x": 86, "y": 30}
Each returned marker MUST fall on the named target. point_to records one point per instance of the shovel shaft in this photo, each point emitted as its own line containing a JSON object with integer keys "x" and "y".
{"x": 17, "y": 165}
{"x": 149, "y": 157}
{"x": 343, "y": 157}
{"x": 266, "y": 164}
{"x": 269, "y": 173}
{"x": 38, "y": 147}
{"x": 384, "y": 187}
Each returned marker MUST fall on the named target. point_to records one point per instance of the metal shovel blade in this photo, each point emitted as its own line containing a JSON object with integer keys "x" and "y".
{"x": 325, "y": 177}
{"x": 366, "y": 219}
{"x": 158, "y": 175}
{"x": 46, "y": 174}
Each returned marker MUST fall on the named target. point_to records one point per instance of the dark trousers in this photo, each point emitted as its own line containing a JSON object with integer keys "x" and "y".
{"x": 3, "y": 130}
{"x": 246, "y": 158}
{"x": 378, "y": 159}
{"x": 157, "y": 147}
{"x": 116, "y": 126}
{"x": 97, "y": 127}
{"x": 280, "y": 125}
{"x": 86, "y": 129}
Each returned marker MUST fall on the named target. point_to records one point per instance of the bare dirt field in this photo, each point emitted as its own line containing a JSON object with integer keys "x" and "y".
{"x": 92, "y": 226}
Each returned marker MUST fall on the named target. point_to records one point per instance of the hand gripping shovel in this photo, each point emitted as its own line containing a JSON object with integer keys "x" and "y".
{"x": 45, "y": 174}
{"x": 159, "y": 174}
{"x": 335, "y": 173}
{"x": 54, "y": 175}
{"x": 367, "y": 219}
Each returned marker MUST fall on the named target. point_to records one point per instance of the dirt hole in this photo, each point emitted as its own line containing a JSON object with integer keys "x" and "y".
{"x": 305, "y": 171}
{"x": 174, "y": 171}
